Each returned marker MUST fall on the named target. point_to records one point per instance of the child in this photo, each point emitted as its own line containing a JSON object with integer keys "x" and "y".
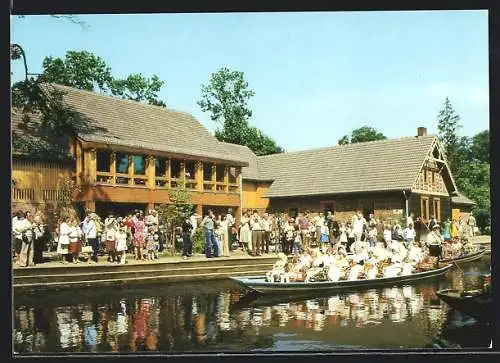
{"x": 324, "y": 237}
{"x": 121, "y": 243}
{"x": 409, "y": 235}
{"x": 150, "y": 243}
{"x": 350, "y": 236}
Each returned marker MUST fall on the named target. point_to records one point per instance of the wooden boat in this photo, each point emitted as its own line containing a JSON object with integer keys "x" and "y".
{"x": 259, "y": 283}
{"x": 475, "y": 303}
{"x": 467, "y": 258}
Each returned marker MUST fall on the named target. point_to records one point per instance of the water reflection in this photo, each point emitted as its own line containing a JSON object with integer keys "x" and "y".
{"x": 217, "y": 319}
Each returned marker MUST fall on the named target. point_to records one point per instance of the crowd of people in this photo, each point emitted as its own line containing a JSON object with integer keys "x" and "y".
{"x": 257, "y": 232}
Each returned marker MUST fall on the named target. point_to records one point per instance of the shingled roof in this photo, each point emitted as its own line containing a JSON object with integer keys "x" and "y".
{"x": 250, "y": 172}
{"x": 362, "y": 167}
{"x": 461, "y": 199}
{"x": 114, "y": 121}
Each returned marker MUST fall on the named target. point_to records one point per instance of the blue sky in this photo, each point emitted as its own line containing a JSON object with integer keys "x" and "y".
{"x": 316, "y": 75}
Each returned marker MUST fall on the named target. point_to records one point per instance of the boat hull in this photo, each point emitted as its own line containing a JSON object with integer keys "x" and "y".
{"x": 259, "y": 283}
{"x": 469, "y": 258}
{"x": 478, "y": 306}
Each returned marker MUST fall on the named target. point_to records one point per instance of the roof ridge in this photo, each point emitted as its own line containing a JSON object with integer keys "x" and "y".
{"x": 346, "y": 145}
{"x": 78, "y": 90}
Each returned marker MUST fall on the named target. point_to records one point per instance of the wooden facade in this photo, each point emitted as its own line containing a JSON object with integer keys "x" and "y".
{"x": 254, "y": 195}
{"x": 135, "y": 176}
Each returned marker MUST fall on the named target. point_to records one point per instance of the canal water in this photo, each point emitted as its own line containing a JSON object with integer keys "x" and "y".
{"x": 220, "y": 316}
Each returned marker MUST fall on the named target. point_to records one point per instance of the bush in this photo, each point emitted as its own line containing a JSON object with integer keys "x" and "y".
{"x": 482, "y": 219}
{"x": 198, "y": 240}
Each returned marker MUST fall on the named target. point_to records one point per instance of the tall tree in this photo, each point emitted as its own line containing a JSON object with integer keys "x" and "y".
{"x": 362, "y": 134}
{"x": 226, "y": 98}
{"x": 480, "y": 146}
{"x": 448, "y": 126}
{"x": 87, "y": 71}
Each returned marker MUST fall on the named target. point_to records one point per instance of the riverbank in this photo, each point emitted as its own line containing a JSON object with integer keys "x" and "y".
{"x": 54, "y": 275}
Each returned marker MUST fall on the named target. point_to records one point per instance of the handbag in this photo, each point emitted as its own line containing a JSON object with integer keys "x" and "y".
{"x": 87, "y": 249}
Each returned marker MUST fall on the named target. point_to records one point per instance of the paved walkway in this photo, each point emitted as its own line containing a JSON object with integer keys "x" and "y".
{"x": 54, "y": 259}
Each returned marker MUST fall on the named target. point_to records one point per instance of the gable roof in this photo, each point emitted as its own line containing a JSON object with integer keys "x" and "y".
{"x": 382, "y": 165}
{"x": 115, "y": 121}
{"x": 250, "y": 172}
{"x": 461, "y": 199}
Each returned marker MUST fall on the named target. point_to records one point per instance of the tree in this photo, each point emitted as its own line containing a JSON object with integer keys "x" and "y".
{"x": 362, "y": 134}
{"x": 480, "y": 146}
{"x": 226, "y": 98}
{"x": 84, "y": 70}
{"x": 173, "y": 214}
{"x": 448, "y": 125}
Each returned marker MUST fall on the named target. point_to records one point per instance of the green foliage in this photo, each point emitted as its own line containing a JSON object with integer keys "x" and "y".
{"x": 226, "y": 98}
{"x": 448, "y": 125}
{"x": 84, "y": 70}
{"x": 362, "y": 134}
{"x": 483, "y": 218}
{"x": 198, "y": 240}
{"x": 173, "y": 214}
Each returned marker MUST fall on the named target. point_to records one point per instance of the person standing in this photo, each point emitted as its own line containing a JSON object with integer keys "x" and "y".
{"x": 90, "y": 232}
{"x": 63, "y": 240}
{"x": 409, "y": 220}
{"x": 256, "y": 226}
{"x": 187, "y": 245}
{"x": 245, "y": 233}
{"x": 26, "y": 255}
{"x": 139, "y": 236}
{"x": 193, "y": 220}
{"x": 40, "y": 235}
{"x": 230, "y": 225}
{"x": 455, "y": 230}
{"x": 303, "y": 223}
{"x": 19, "y": 225}
{"x": 435, "y": 242}
{"x": 409, "y": 235}
{"x": 335, "y": 232}
{"x": 121, "y": 243}
{"x": 447, "y": 230}
{"x": 471, "y": 223}
{"x": 358, "y": 226}
{"x": 75, "y": 235}
{"x": 224, "y": 233}
{"x": 208, "y": 223}
{"x": 110, "y": 227}
{"x": 266, "y": 232}
{"x": 318, "y": 221}
{"x": 329, "y": 220}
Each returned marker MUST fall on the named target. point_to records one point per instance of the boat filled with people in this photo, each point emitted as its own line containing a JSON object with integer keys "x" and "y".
{"x": 335, "y": 269}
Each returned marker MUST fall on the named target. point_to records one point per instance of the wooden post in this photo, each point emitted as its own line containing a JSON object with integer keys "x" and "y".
{"x": 151, "y": 171}
{"x": 214, "y": 177}
{"x": 199, "y": 176}
{"x": 79, "y": 162}
{"x": 93, "y": 165}
{"x": 90, "y": 205}
{"x": 113, "y": 167}
{"x": 182, "y": 165}
{"x": 226, "y": 178}
{"x": 167, "y": 172}
{"x": 130, "y": 170}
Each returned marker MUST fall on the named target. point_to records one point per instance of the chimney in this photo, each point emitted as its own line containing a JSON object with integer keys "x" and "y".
{"x": 421, "y": 131}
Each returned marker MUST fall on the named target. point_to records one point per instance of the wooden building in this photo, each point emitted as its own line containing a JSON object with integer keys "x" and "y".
{"x": 390, "y": 178}
{"x": 128, "y": 155}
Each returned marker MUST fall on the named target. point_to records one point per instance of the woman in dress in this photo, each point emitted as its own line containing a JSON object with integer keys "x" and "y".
{"x": 139, "y": 234}
{"x": 40, "y": 239}
{"x": 223, "y": 228}
{"x": 74, "y": 235}
{"x": 63, "y": 240}
{"x": 245, "y": 234}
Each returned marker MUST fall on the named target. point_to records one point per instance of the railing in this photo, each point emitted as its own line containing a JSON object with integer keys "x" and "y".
{"x": 38, "y": 194}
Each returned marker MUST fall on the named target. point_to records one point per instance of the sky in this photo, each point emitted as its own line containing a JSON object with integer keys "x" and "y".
{"x": 316, "y": 75}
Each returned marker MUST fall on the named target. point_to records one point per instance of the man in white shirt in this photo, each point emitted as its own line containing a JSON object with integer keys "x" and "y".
{"x": 319, "y": 221}
{"x": 266, "y": 226}
{"x": 90, "y": 231}
{"x": 257, "y": 232}
{"x": 194, "y": 223}
{"x": 471, "y": 222}
{"x": 409, "y": 220}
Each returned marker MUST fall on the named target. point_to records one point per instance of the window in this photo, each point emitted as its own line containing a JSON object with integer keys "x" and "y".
{"x": 121, "y": 163}
{"x": 424, "y": 208}
{"x": 190, "y": 169}
{"x": 160, "y": 167}
{"x": 219, "y": 173}
{"x": 233, "y": 176}
{"x": 433, "y": 177}
{"x": 103, "y": 161}
{"x": 437, "y": 208}
{"x": 425, "y": 176}
{"x": 139, "y": 162}
{"x": 207, "y": 171}
{"x": 175, "y": 169}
